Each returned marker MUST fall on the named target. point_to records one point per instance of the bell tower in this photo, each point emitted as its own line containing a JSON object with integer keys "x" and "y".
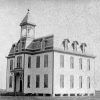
{"x": 27, "y": 27}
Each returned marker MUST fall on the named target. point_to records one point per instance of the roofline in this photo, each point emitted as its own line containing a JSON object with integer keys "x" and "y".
{"x": 74, "y": 53}
{"x": 26, "y": 23}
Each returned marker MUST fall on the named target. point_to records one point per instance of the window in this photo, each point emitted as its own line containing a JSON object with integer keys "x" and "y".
{"x": 61, "y": 61}
{"x": 61, "y": 81}
{"x": 88, "y": 82}
{"x": 80, "y": 63}
{"x": 71, "y": 81}
{"x": 80, "y": 81}
{"x": 71, "y": 62}
{"x": 45, "y": 80}
{"x": 23, "y": 44}
{"x": 38, "y": 62}
{"x": 37, "y": 81}
{"x": 28, "y": 81}
{"x": 29, "y": 62}
{"x": 19, "y": 62}
{"x": 11, "y": 64}
{"x": 10, "y": 82}
{"x": 88, "y": 64}
{"x": 45, "y": 60}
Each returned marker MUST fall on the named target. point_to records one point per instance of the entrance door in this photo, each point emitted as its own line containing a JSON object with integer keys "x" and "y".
{"x": 20, "y": 85}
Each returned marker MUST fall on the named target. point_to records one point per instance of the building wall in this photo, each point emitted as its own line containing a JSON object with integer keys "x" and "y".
{"x": 33, "y": 71}
{"x": 8, "y": 74}
{"x": 76, "y": 72}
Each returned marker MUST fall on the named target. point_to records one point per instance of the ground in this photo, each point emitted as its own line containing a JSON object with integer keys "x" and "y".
{"x": 47, "y": 98}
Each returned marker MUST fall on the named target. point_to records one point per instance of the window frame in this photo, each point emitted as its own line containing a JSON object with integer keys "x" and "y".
{"x": 71, "y": 81}
{"x": 61, "y": 61}
{"x": 38, "y": 62}
{"x": 88, "y": 64}
{"x": 19, "y": 61}
{"x": 11, "y": 64}
{"x": 28, "y": 81}
{"x": 61, "y": 81}
{"x": 72, "y": 62}
{"x": 37, "y": 81}
{"x": 10, "y": 82}
{"x": 46, "y": 81}
{"x": 80, "y": 63}
{"x": 29, "y": 61}
{"x": 46, "y": 60}
{"x": 80, "y": 82}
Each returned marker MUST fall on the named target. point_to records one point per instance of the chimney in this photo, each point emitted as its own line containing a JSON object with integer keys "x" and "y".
{"x": 74, "y": 45}
{"x": 82, "y": 46}
{"x": 65, "y": 44}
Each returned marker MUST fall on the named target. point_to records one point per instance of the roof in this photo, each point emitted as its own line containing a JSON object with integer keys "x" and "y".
{"x": 27, "y": 20}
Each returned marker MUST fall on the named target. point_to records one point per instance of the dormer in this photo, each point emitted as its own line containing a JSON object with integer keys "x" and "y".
{"x": 82, "y": 46}
{"x": 74, "y": 45}
{"x": 65, "y": 44}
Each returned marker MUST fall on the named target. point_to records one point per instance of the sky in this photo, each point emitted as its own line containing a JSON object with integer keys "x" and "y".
{"x": 74, "y": 19}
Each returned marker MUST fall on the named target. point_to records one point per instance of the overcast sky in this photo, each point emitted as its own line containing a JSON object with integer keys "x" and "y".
{"x": 74, "y": 19}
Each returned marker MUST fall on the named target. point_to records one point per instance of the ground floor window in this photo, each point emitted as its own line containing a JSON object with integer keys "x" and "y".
{"x": 10, "y": 82}
{"x": 45, "y": 80}
{"x": 28, "y": 81}
{"x": 61, "y": 81}
{"x": 37, "y": 81}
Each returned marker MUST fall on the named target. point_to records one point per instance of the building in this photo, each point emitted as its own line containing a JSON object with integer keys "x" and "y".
{"x": 37, "y": 66}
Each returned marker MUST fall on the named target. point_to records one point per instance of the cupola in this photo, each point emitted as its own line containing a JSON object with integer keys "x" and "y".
{"x": 27, "y": 27}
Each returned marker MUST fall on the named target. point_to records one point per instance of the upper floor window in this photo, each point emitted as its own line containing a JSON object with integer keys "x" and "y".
{"x": 37, "y": 81}
{"x": 19, "y": 62}
{"x": 88, "y": 64}
{"x": 29, "y": 62}
{"x": 46, "y": 60}
{"x": 45, "y": 80}
{"x": 61, "y": 81}
{"x": 71, "y": 62}
{"x": 71, "y": 81}
{"x": 88, "y": 82}
{"x": 38, "y": 62}
{"x": 23, "y": 44}
{"x": 10, "y": 82}
{"x": 80, "y": 81}
{"x": 61, "y": 60}
{"x": 11, "y": 64}
{"x": 28, "y": 81}
{"x": 80, "y": 63}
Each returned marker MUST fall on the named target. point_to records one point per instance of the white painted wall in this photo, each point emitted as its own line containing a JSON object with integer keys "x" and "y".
{"x": 41, "y": 71}
{"x": 8, "y": 74}
{"x": 12, "y": 74}
{"x": 76, "y": 72}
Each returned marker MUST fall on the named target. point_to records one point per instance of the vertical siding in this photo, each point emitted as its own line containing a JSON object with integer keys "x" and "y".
{"x": 76, "y": 72}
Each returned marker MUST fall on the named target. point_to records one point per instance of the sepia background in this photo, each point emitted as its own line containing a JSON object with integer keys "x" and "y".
{"x": 74, "y": 19}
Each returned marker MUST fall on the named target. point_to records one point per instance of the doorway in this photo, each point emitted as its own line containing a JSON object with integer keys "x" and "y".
{"x": 21, "y": 85}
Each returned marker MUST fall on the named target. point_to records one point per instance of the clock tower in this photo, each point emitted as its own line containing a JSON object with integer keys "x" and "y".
{"x": 27, "y": 27}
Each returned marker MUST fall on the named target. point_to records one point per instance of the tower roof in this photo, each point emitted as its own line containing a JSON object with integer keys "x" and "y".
{"x": 27, "y": 20}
